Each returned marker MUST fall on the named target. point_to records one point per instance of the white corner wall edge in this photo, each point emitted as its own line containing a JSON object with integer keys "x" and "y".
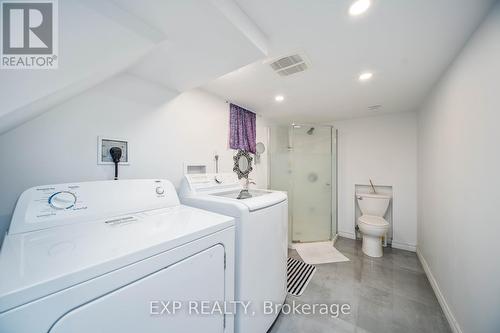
{"x": 455, "y": 327}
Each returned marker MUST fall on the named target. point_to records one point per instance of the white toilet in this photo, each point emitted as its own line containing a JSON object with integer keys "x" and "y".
{"x": 372, "y": 223}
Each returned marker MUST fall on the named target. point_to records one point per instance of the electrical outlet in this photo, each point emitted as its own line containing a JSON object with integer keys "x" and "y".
{"x": 105, "y": 144}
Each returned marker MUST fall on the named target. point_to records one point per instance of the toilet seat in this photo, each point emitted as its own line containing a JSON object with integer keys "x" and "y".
{"x": 374, "y": 221}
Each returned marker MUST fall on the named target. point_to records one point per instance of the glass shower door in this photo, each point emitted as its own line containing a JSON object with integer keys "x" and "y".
{"x": 311, "y": 162}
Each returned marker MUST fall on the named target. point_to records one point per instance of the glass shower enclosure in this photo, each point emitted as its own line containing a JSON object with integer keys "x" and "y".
{"x": 303, "y": 162}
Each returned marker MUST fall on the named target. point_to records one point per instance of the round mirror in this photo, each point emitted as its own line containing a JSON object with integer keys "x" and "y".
{"x": 260, "y": 148}
{"x": 242, "y": 164}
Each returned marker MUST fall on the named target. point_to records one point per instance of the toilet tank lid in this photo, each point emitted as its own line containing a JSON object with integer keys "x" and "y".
{"x": 373, "y": 195}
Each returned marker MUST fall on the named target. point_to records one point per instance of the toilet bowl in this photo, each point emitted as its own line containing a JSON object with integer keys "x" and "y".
{"x": 372, "y": 224}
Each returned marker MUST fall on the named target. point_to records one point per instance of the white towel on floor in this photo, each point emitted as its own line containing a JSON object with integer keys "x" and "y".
{"x": 319, "y": 253}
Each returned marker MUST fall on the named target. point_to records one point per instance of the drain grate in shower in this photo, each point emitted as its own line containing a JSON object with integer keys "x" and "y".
{"x": 298, "y": 276}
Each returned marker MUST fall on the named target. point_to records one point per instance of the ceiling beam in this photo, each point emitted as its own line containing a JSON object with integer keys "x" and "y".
{"x": 244, "y": 23}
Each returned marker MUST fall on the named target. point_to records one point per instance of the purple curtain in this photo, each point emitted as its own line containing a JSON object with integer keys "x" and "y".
{"x": 242, "y": 128}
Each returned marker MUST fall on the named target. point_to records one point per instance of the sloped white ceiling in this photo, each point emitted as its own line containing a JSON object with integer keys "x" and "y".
{"x": 179, "y": 44}
{"x": 406, "y": 44}
{"x": 91, "y": 48}
{"x": 203, "y": 41}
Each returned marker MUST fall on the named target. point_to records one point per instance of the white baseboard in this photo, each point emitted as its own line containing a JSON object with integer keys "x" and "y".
{"x": 292, "y": 246}
{"x": 404, "y": 246}
{"x": 455, "y": 327}
{"x": 395, "y": 244}
{"x": 347, "y": 234}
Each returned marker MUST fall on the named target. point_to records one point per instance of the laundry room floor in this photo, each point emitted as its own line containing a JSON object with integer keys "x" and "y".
{"x": 388, "y": 294}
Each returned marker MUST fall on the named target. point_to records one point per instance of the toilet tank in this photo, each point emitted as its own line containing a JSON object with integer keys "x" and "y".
{"x": 373, "y": 204}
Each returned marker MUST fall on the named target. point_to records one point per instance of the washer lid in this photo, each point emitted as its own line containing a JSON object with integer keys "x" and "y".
{"x": 38, "y": 263}
{"x": 252, "y": 199}
{"x": 375, "y": 221}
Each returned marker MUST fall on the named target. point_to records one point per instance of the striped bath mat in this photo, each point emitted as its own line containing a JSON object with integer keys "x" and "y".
{"x": 298, "y": 276}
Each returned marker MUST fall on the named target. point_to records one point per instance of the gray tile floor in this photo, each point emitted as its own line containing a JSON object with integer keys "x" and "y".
{"x": 388, "y": 294}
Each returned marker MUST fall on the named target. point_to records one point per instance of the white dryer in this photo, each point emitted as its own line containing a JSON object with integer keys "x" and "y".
{"x": 106, "y": 256}
{"x": 261, "y": 219}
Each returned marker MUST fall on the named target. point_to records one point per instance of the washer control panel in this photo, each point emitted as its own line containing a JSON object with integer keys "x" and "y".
{"x": 212, "y": 181}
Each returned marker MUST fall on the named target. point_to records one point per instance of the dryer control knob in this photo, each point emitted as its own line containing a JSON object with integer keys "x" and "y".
{"x": 62, "y": 200}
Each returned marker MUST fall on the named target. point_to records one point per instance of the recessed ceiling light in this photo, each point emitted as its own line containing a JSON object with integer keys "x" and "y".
{"x": 365, "y": 76}
{"x": 359, "y": 7}
{"x": 279, "y": 98}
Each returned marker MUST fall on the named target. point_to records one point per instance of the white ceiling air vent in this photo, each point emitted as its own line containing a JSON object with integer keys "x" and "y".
{"x": 289, "y": 65}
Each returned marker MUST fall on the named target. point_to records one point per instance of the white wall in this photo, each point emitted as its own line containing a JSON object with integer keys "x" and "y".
{"x": 163, "y": 130}
{"x": 459, "y": 183}
{"x": 382, "y": 148}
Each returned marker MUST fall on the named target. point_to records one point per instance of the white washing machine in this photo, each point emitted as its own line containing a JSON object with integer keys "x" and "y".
{"x": 106, "y": 256}
{"x": 261, "y": 240}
